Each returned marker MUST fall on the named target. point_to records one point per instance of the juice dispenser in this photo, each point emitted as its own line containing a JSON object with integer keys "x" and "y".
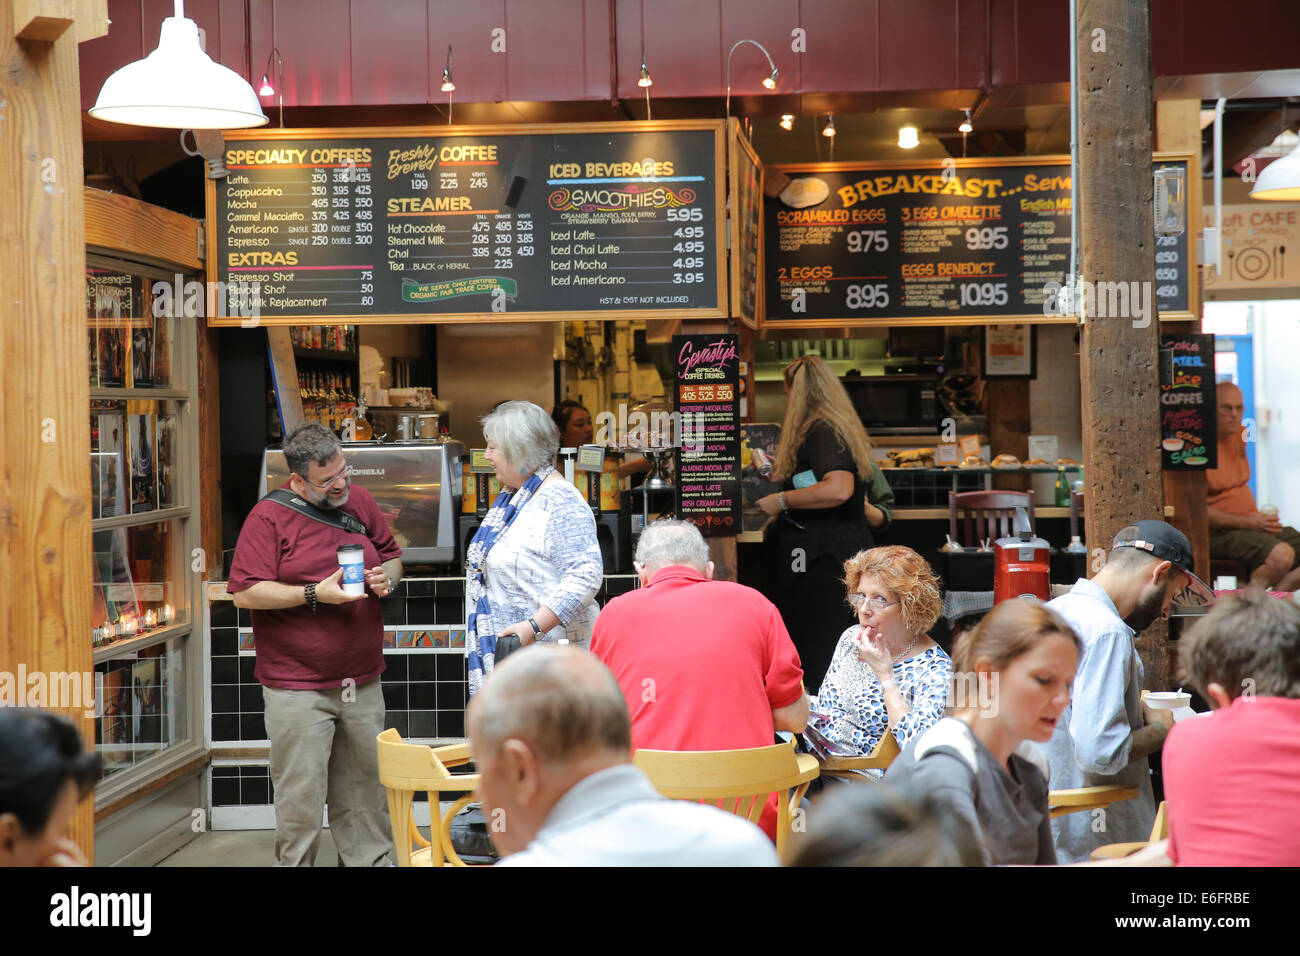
{"x": 1021, "y": 566}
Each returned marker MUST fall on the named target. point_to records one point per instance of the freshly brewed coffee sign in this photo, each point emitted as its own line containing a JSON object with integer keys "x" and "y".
{"x": 706, "y": 390}
{"x": 1188, "y": 413}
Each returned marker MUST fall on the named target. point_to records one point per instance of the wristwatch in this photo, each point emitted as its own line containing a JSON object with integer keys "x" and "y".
{"x": 537, "y": 631}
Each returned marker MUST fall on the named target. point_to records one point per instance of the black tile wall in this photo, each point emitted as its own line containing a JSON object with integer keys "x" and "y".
{"x": 424, "y": 693}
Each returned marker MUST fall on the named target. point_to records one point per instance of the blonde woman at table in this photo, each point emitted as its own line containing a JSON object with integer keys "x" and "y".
{"x": 823, "y": 512}
{"x": 887, "y": 675}
{"x": 1014, "y": 675}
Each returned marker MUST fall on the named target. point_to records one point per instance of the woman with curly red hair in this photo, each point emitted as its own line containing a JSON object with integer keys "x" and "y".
{"x": 887, "y": 675}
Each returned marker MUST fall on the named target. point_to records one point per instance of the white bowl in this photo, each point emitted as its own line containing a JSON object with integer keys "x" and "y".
{"x": 1168, "y": 700}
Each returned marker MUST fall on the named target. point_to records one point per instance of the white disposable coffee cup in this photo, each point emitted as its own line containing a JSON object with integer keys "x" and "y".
{"x": 1270, "y": 510}
{"x": 1168, "y": 700}
{"x": 352, "y": 559}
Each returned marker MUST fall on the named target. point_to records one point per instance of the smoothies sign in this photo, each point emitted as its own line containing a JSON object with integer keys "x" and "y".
{"x": 1188, "y": 413}
{"x": 430, "y": 224}
{"x": 706, "y": 386}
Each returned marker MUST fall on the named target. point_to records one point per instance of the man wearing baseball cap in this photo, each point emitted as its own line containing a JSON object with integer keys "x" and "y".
{"x": 1106, "y": 734}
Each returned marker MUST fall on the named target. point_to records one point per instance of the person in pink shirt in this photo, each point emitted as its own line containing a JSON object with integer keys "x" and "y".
{"x": 1232, "y": 777}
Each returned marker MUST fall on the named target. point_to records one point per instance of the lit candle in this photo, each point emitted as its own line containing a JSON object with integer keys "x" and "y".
{"x": 150, "y": 619}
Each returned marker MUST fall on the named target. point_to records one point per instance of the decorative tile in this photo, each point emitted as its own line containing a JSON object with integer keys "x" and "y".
{"x": 408, "y": 638}
{"x": 390, "y": 638}
{"x": 457, "y": 638}
{"x": 439, "y": 638}
{"x": 246, "y": 641}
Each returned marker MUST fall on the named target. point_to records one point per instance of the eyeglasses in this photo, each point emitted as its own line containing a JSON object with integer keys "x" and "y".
{"x": 876, "y": 603}
{"x": 329, "y": 482}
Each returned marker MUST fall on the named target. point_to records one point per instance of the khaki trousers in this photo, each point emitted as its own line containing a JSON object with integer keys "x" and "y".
{"x": 323, "y": 752}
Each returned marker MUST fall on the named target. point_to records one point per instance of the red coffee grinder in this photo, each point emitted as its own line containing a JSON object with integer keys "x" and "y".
{"x": 1021, "y": 567}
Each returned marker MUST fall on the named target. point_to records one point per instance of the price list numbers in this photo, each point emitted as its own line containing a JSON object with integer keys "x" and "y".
{"x": 300, "y": 222}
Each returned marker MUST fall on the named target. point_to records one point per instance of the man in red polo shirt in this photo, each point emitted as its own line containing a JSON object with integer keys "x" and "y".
{"x": 703, "y": 664}
{"x": 320, "y": 651}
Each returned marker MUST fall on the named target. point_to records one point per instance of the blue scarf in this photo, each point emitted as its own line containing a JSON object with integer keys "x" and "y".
{"x": 480, "y": 632}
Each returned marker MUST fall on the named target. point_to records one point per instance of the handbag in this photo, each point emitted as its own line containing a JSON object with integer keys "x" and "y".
{"x": 506, "y": 646}
{"x": 470, "y": 838}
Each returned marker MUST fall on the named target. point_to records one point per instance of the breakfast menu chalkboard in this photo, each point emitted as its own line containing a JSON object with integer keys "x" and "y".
{"x": 706, "y": 389}
{"x": 429, "y": 224}
{"x": 1188, "y": 408}
{"x": 955, "y": 241}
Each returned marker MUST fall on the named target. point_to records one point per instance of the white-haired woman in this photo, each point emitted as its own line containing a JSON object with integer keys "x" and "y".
{"x": 534, "y": 566}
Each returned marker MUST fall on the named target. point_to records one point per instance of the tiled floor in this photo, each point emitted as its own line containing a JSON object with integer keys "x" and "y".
{"x": 241, "y": 848}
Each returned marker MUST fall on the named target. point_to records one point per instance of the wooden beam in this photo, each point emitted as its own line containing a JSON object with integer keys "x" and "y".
{"x": 1008, "y": 427}
{"x": 42, "y": 20}
{"x": 136, "y": 230}
{"x": 45, "y": 531}
{"x": 1120, "y": 383}
{"x": 209, "y": 447}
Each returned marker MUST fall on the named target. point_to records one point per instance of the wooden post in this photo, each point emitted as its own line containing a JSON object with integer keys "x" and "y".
{"x": 45, "y": 541}
{"x": 1120, "y": 380}
{"x": 1008, "y": 426}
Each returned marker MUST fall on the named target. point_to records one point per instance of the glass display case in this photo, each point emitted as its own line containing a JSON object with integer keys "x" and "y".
{"x": 145, "y": 528}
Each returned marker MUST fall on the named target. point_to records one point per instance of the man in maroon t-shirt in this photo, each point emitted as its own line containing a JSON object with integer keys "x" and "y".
{"x": 704, "y": 665}
{"x": 320, "y": 653}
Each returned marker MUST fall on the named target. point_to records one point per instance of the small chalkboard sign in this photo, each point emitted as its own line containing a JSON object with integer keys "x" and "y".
{"x": 1188, "y": 415}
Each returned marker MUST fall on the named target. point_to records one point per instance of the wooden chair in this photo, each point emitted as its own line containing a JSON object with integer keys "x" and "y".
{"x": 881, "y": 756}
{"x": 405, "y": 768}
{"x": 1061, "y": 802}
{"x": 1115, "y": 851}
{"x": 987, "y": 514}
{"x": 738, "y": 781}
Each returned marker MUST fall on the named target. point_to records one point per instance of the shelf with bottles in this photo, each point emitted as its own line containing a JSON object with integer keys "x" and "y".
{"x": 328, "y": 343}
{"x": 327, "y": 397}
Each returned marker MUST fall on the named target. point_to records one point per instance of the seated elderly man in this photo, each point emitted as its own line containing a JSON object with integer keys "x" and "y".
{"x": 704, "y": 664}
{"x": 1232, "y": 779}
{"x": 552, "y": 742}
{"x": 1238, "y": 529}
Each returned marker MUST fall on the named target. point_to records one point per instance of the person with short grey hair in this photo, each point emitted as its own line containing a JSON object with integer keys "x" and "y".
{"x": 534, "y": 566}
{"x": 669, "y": 541}
{"x": 551, "y": 740}
{"x": 703, "y": 664}
{"x": 310, "y": 442}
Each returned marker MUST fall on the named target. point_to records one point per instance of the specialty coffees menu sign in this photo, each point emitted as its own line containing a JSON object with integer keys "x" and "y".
{"x": 1188, "y": 411}
{"x": 706, "y": 389}
{"x": 961, "y": 239}
{"x": 378, "y": 225}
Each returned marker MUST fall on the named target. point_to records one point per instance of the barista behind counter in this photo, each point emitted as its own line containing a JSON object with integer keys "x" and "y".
{"x": 575, "y": 425}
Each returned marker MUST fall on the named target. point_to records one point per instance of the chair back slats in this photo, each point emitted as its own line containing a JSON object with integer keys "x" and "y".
{"x": 986, "y": 514}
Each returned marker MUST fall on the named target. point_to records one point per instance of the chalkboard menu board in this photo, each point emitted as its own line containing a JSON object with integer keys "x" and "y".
{"x": 706, "y": 387}
{"x": 746, "y": 227}
{"x": 951, "y": 241}
{"x": 1188, "y": 409}
{"x": 430, "y": 224}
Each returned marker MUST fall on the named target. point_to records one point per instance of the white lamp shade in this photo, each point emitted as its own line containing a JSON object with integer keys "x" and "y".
{"x": 907, "y": 137}
{"x": 178, "y": 86}
{"x": 1280, "y": 179}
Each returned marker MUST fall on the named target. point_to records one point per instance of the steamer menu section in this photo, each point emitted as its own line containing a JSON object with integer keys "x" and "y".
{"x": 465, "y": 224}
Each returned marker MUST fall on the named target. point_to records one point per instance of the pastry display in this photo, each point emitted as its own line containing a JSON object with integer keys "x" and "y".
{"x": 1006, "y": 461}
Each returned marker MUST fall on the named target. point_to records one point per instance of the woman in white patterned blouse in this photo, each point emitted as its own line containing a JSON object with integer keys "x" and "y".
{"x": 534, "y": 567}
{"x": 886, "y": 675}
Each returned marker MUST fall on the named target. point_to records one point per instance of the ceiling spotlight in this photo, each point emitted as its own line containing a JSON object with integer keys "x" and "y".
{"x": 965, "y": 126}
{"x": 829, "y": 129}
{"x": 787, "y": 121}
{"x": 266, "y": 89}
{"x": 645, "y": 76}
{"x": 770, "y": 80}
{"x": 447, "y": 85}
{"x": 908, "y": 138}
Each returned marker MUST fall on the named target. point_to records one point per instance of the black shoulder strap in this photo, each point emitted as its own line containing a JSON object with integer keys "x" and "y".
{"x": 335, "y": 519}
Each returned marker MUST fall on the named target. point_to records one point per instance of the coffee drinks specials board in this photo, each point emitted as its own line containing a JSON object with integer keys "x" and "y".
{"x": 953, "y": 241}
{"x": 438, "y": 224}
